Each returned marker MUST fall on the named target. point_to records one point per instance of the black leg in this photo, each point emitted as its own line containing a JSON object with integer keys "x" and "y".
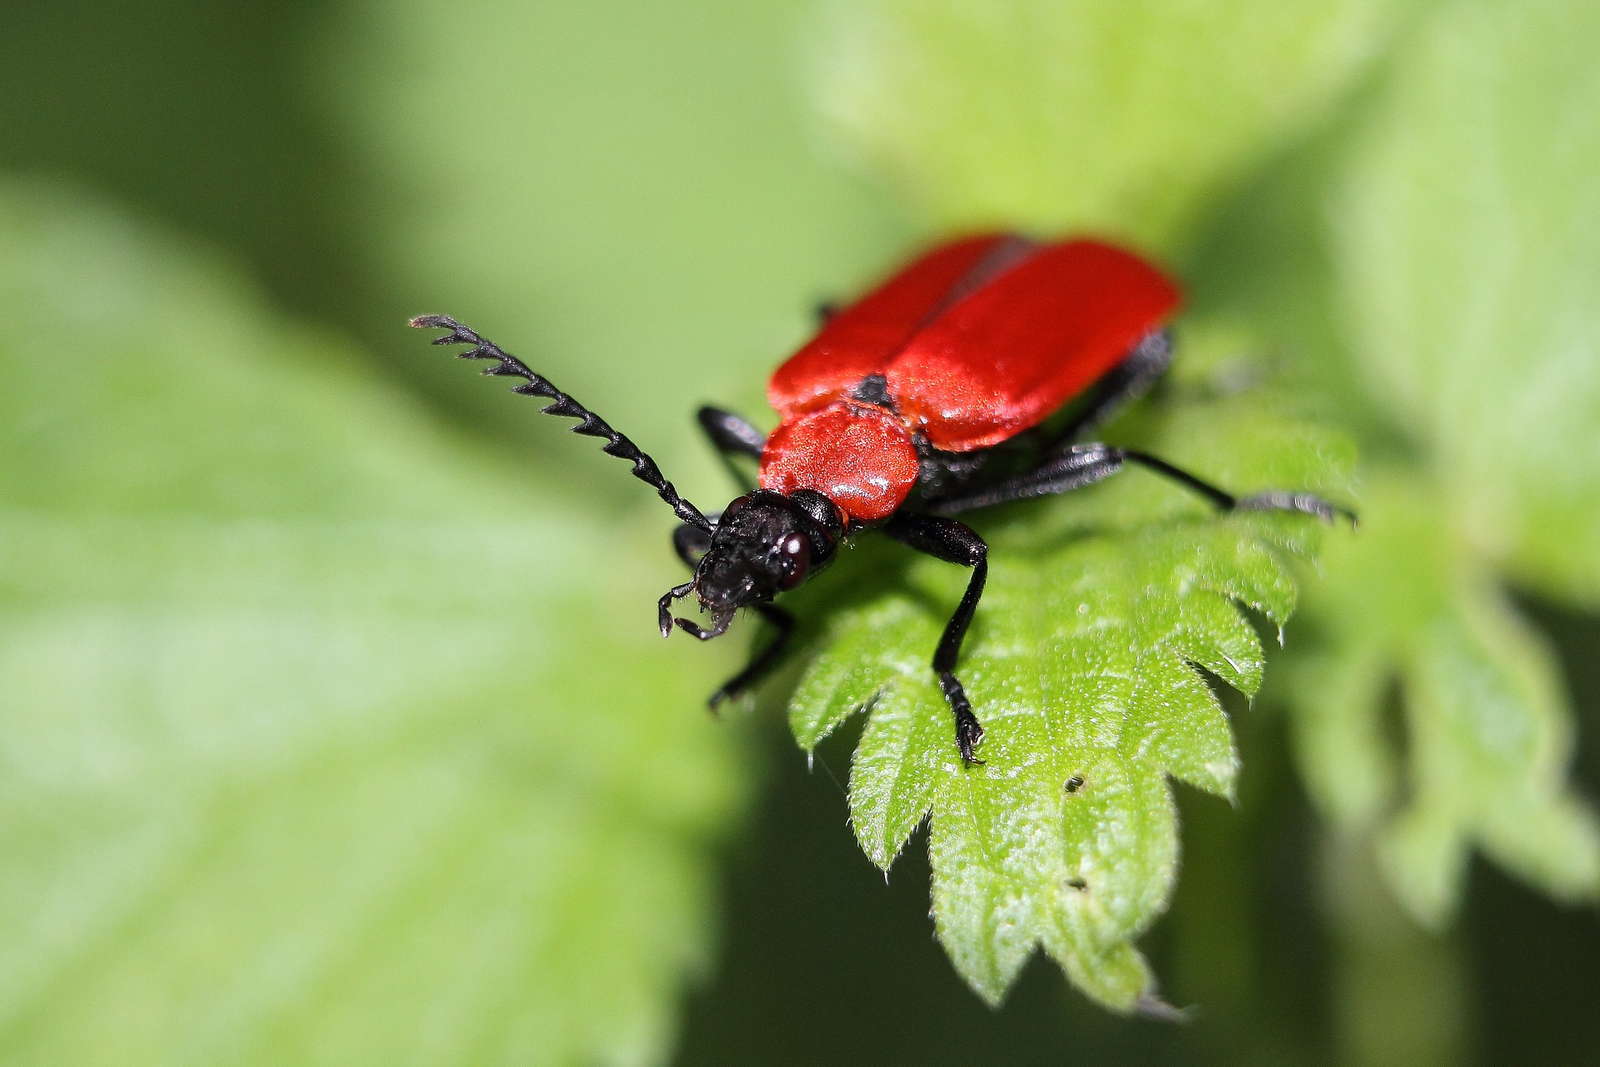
{"x": 731, "y": 435}
{"x": 1068, "y": 469}
{"x": 1123, "y": 384}
{"x": 762, "y": 661}
{"x": 690, "y": 543}
{"x": 1085, "y": 464}
{"x": 1140, "y": 369}
{"x": 949, "y": 475}
{"x": 954, "y": 542}
{"x": 664, "y": 606}
{"x": 1266, "y": 500}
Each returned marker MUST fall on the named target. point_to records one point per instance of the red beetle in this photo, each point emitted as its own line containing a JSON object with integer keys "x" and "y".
{"x": 930, "y": 396}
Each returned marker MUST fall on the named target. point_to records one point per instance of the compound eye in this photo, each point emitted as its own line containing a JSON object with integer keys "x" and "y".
{"x": 796, "y": 552}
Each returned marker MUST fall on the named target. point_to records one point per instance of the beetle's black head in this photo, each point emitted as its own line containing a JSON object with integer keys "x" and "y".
{"x": 764, "y": 543}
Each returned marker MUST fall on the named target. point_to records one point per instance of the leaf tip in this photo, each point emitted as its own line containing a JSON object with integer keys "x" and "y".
{"x": 1151, "y": 1006}
{"x": 881, "y": 854}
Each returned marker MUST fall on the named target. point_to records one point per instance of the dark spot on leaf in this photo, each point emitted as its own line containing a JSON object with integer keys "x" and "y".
{"x": 1078, "y": 884}
{"x": 1074, "y": 783}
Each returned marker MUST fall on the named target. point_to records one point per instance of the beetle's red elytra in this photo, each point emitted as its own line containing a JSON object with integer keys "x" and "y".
{"x": 974, "y": 342}
{"x": 969, "y": 378}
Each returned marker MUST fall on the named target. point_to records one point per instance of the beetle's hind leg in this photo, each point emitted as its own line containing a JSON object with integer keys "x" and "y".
{"x": 950, "y": 476}
{"x": 1138, "y": 372}
{"x": 1084, "y": 464}
{"x": 1266, "y": 500}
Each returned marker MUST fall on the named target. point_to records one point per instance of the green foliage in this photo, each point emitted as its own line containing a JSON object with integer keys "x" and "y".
{"x": 1467, "y": 253}
{"x": 1487, "y": 724}
{"x": 282, "y": 777}
{"x": 1125, "y": 118}
{"x": 1082, "y": 665}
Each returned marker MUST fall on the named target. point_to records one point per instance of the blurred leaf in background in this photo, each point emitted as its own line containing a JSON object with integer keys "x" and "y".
{"x": 1469, "y": 267}
{"x": 293, "y": 767}
{"x": 1126, "y": 119}
{"x": 1454, "y": 303}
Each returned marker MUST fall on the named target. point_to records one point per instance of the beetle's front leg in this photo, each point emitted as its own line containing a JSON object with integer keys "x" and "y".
{"x": 762, "y": 662}
{"x": 690, "y": 543}
{"x": 731, "y": 435}
{"x": 953, "y": 542}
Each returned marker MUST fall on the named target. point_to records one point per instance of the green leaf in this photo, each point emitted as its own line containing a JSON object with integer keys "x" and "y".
{"x": 1426, "y": 260}
{"x": 1082, "y": 664}
{"x": 303, "y": 757}
{"x": 1125, "y": 118}
{"x": 1488, "y": 730}
{"x": 1468, "y": 253}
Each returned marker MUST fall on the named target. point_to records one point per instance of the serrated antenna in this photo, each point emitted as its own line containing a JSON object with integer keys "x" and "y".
{"x": 589, "y": 424}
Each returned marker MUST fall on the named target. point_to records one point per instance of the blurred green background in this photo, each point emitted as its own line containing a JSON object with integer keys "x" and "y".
{"x": 333, "y": 722}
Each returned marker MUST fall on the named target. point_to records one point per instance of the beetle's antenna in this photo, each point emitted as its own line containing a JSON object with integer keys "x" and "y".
{"x": 591, "y": 425}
